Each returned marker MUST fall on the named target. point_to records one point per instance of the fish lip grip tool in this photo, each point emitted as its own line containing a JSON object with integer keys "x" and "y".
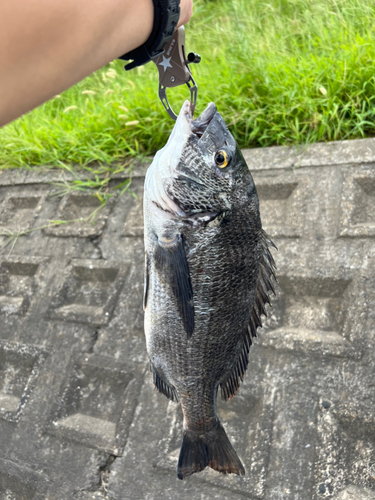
{"x": 173, "y": 67}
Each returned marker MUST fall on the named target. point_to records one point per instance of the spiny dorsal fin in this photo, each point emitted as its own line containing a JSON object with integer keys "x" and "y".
{"x": 264, "y": 286}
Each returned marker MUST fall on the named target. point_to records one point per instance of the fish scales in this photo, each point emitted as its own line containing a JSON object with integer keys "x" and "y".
{"x": 209, "y": 273}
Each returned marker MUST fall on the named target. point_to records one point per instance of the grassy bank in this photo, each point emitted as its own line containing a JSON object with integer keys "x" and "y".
{"x": 280, "y": 72}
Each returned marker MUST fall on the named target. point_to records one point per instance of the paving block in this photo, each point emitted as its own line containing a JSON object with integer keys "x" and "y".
{"x": 310, "y": 315}
{"x": 89, "y": 292}
{"x": 19, "y": 211}
{"x": 283, "y": 203}
{"x": 19, "y": 367}
{"x": 82, "y": 215}
{"x": 20, "y": 277}
{"x": 96, "y": 404}
{"x": 19, "y": 482}
{"x": 357, "y": 217}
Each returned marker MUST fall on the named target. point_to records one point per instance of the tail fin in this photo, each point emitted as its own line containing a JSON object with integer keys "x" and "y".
{"x": 212, "y": 449}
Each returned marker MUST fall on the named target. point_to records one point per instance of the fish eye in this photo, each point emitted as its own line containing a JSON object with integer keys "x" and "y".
{"x": 222, "y": 158}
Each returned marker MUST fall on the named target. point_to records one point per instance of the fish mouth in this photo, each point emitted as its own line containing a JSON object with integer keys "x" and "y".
{"x": 188, "y": 127}
{"x": 200, "y": 124}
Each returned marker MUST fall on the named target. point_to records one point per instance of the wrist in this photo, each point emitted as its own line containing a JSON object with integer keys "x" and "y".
{"x": 166, "y": 17}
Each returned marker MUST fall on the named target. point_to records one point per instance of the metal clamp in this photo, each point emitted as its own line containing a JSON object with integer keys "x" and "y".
{"x": 174, "y": 70}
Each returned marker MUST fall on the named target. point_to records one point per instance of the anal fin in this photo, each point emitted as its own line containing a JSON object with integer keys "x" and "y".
{"x": 163, "y": 387}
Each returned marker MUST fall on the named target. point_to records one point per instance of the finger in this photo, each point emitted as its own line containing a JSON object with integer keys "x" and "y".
{"x": 186, "y": 11}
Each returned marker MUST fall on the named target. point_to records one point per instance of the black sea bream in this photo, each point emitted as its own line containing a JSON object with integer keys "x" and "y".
{"x": 208, "y": 277}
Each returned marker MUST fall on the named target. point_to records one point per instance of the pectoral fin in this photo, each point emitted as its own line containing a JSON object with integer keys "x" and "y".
{"x": 146, "y": 279}
{"x": 170, "y": 261}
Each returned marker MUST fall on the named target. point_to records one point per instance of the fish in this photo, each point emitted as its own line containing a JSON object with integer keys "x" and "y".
{"x": 209, "y": 274}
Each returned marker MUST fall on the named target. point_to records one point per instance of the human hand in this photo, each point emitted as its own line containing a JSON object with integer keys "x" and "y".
{"x": 44, "y": 62}
{"x": 186, "y": 10}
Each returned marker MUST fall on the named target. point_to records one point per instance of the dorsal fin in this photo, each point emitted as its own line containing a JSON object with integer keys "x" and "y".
{"x": 262, "y": 297}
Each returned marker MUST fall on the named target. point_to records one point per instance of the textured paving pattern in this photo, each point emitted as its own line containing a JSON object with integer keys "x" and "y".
{"x": 79, "y": 417}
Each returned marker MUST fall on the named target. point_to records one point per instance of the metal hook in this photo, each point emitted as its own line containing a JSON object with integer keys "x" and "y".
{"x": 174, "y": 70}
{"x": 193, "y": 98}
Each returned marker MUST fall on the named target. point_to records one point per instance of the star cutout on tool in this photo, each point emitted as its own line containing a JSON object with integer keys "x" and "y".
{"x": 165, "y": 63}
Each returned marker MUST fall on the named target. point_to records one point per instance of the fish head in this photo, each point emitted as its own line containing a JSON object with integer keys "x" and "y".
{"x": 201, "y": 170}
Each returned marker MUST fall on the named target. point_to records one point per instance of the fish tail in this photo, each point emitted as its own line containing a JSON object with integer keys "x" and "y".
{"x": 212, "y": 449}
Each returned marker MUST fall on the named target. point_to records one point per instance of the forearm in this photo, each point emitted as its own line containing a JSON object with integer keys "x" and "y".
{"x": 48, "y": 45}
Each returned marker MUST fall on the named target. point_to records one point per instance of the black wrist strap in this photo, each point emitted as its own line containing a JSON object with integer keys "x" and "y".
{"x": 166, "y": 16}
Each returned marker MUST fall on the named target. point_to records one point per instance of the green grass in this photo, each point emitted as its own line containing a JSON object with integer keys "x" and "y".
{"x": 279, "y": 71}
